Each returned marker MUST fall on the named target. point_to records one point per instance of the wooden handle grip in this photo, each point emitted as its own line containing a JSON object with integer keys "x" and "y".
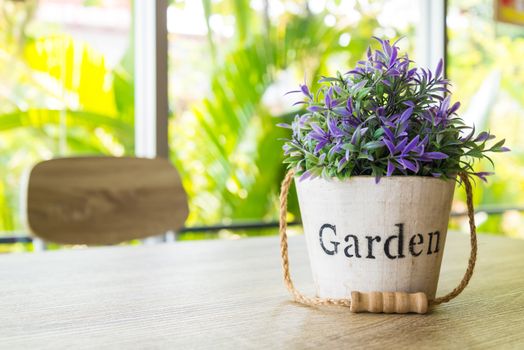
{"x": 389, "y": 302}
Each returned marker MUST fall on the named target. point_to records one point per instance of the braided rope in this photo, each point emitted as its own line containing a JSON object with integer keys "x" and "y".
{"x": 297, "y": 296}
{"x": 473, "y": 241}
{"x": 300, "y": 298}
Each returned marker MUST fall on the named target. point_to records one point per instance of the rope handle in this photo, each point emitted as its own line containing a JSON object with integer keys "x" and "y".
{"x": 300, "y": 298}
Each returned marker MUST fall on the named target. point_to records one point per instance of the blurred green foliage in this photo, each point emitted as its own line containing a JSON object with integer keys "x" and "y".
{"x": 59, "y": 98}
{"x": 227, "y": 146}
{"x": 487, "y": 73}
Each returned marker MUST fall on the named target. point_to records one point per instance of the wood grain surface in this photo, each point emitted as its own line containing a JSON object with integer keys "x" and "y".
{"x": 104, "y": 200}
{"x": 230, "y": 295}
{"x": 389, "y": 302}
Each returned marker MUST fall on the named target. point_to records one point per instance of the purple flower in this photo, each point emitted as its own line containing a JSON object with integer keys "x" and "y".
{"x": 315, "y": 109}
{"x": 433, "y": 155}
{"x": 410, "y": 165}
{"x": 454, "y": 108}
{"x": 335, "y": 149}
{"x": 302, "y": 120}
{"x": 357, "y": 134}
{"x": 483, "y": 136}
{"x": 398, "y": 148}
{"x": 390, "y": 169}
{"x": 328, "y": 99}
{"x": 346, "y": 111}
{"x": 284, "y": 125}
{"x": 389, "y": 134}
{"x": 299, "y": 103}
{"x": 320, "y": 136}
{"x": 334, "y": 129}
{"x": 483, "y": 175}
{"x": 438, "y": 70}
{"x": 383, "y": 118}
{"x": 349, "y": 105}
{"x": 441, "y": 115}
{"x": 303, "y": 89}
{"x": 405, "y": 115}
{"x": 306, "y": 175}
{"x": 411, "y": 145}
{"x": 356, "y": 71}
{"x": 393, "y": 57}
{"x": 359, "y": 85}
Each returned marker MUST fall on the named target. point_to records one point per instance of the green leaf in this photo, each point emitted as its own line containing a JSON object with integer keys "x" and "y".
{"x": 351, "y": 147}
{"x": 373, "y": 145}
{"x": 498, "y": 145}
{"x": 379, "y": 132}
{"x": 365, "y": 155}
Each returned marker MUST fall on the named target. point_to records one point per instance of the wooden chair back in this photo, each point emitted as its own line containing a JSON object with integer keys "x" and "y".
{"x": 104, "y": 200}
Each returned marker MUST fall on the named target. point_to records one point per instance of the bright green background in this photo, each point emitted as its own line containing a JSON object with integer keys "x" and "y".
{"x": 60, "y": 97}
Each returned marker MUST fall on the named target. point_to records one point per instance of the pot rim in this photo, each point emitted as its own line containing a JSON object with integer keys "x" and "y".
{"x": 382, "y": 178}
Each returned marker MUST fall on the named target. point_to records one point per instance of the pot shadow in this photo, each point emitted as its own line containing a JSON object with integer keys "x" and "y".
{"x": 299, "y": 326}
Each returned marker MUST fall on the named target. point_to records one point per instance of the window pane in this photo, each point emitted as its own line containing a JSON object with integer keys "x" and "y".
{"x": 66, "y": 89}
{"x": 231, "y": 64}
{"x": 487, "y": 71}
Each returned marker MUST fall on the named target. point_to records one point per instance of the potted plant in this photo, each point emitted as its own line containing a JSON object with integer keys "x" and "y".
{"x": 375, "y": 154}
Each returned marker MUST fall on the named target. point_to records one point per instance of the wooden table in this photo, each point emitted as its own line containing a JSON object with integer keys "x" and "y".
{"x": 229, "y": 294}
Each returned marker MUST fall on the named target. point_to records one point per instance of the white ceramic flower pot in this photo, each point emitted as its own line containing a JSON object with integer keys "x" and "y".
{"x": 363, "y": 236}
